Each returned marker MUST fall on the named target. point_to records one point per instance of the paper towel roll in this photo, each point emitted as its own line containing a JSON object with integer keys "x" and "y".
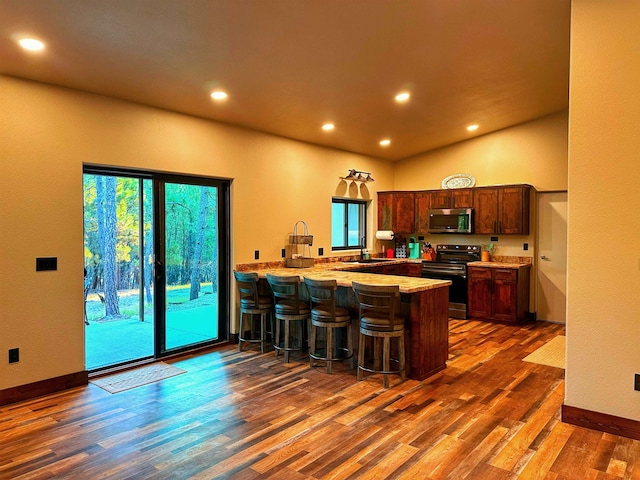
{"x": 384, "y": 235}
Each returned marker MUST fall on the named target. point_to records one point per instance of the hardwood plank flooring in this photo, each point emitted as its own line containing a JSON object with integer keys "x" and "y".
{"x": 247, "y": 415}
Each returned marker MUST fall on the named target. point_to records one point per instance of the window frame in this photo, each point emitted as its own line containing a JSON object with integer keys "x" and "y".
{"x": 362, "y": 227}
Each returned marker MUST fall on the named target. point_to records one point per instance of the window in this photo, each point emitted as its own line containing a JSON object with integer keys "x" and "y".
{"x": 348, "y": 224}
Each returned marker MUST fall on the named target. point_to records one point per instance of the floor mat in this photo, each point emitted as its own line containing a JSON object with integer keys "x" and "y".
{"x": 551, "y": 353}
{"x": 119, "y": 382}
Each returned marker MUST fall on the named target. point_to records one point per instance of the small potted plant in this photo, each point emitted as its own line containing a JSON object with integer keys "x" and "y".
{"x": 487, "y": 252}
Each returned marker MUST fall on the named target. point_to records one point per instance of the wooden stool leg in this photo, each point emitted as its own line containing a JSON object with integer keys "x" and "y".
{"x": 312, "y": 344}
{"x": 401, "y": 357}
{"x": 287, "y": 332}
{"x": 329, "y": 349}
{"x": 263, "y": 331}
{"x": 386, "y": 355}
{"x": 350, "y": 341}
{"x": 277, "y": 337}
{"x": 360, "y": 356}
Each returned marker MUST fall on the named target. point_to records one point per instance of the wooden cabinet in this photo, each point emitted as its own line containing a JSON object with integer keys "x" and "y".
{"x": 453, "y": 198}
{"x": 502, "y": 209}
{"x": 396, "y": 212}
{"x": 422, "y": 206}
{"x": 461, "y": 198}
{"x": 402, "y": 269}
{"x": 440, "y": 198}
{"x": 498, "y": 293}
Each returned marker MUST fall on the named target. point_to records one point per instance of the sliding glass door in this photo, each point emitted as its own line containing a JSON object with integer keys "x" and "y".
{"x": 188, "y": 242}
{"x": 156, "y": 265}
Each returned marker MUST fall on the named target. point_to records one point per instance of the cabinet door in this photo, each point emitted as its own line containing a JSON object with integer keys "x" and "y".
{"x": 485, "y": 204}
{"x": 404, "y": 212}
{"x": 422, "y": 206}
{"x": 514, "y": 210}
{"x": 479, "y": 292}
{"x": 440, "y": 198}
{"x": 462, "y": 198}
{"x": 385, "y": 211}
{"x": 413, "y": 270}
{"x": 504, "y": 301}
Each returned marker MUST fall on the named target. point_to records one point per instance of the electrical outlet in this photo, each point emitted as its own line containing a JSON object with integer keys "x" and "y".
{"x": 256, "y": 254}
{"x": 525, "y": 246}
{"x": 46, "y": 263}
{"x": 494, "y": 239}
{"x": 14, "y": 355}
{"x": 320, "y": 251}
{"x": 636, "y": 385}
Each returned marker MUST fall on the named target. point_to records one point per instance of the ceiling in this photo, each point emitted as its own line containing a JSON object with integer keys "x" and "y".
{"x": 289, "y": 66}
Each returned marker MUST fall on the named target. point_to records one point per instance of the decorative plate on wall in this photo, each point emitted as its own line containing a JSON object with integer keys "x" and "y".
{"x": 459, "y": 180}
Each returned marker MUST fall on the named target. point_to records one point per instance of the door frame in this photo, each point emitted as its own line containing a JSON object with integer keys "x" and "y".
{"x": 159, "y": 181}
{"x": 224, "y": 251}
{"x": 537, "y": 260}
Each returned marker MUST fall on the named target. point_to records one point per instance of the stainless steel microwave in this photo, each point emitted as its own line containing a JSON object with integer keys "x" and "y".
{"x": 451, "y": 220}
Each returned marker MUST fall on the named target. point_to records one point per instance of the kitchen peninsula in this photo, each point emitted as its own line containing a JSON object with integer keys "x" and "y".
{"x": 425, "y": 304}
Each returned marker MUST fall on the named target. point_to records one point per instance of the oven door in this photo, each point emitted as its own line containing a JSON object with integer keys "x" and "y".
{"x": 457, "y": 290}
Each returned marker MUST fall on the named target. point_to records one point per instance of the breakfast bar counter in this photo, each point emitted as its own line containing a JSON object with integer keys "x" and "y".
{"x": 424, "y": 304}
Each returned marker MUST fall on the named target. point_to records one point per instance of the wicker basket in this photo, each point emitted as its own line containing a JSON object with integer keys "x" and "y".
{"x": 300, "y": 262}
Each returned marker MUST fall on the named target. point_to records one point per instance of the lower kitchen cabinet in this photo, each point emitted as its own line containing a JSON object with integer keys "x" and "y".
{"x": 402, "y": 269}
{"x": 499, "y": 293}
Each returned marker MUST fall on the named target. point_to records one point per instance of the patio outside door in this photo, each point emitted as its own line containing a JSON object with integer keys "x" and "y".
{"x": 155, "y": 265}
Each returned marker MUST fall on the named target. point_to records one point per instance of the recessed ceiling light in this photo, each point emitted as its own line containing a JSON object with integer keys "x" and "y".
{"x": 385, "y": 143}
{"x": 402, "y": 97}
{"x": 218, "y": 95}
{"x": 472, "y": 128}
{"x": 328, "y": 127}
{"x": 31, "y": 44}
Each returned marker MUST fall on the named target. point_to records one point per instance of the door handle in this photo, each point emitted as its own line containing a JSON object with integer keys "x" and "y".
{"x": 544, "y": 257}
{"x": 158, "y": 270}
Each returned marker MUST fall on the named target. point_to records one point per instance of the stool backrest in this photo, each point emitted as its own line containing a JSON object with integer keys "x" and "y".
{"x": 322, "y": 294}
{"x": 286, "y": 289}
{"x": 381, "y": 301}
{"x": 247, "y": 283}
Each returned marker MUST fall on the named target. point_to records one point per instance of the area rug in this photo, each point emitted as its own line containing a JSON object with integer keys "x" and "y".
{"x": 551, "y": 353}
{"x": 119, "y": 382}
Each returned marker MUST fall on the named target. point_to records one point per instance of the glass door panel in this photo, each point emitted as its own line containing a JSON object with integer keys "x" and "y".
{"x": 118, "y": 287}
{"x": 191, "y": 265}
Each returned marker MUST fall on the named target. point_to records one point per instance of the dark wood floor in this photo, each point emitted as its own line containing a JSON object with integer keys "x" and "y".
{"x": 489, "y": 415}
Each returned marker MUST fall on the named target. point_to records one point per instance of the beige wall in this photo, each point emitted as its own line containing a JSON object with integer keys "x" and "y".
{"x": 47, "y": 133}
{"x": 534, "y": 153}
{"x": 603, "y": 311}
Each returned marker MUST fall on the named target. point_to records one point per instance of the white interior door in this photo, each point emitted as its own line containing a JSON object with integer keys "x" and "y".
{"x": 551, "y": 287}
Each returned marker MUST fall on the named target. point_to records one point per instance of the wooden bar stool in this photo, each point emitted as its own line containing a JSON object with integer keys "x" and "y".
{"x": 379, "y": 316}
{"x": 291, "y": 313}
{"x": 327, "y": 317}
{"x": 252, "y": 304}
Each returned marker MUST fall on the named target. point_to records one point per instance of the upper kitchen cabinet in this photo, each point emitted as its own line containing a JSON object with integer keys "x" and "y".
{"x": 451, "y": 198}
{"x": 422, "y": 206}
{"x": 396, "y": 212}
{"x": 446, "y": 198}
{"x": 502, "y": 209}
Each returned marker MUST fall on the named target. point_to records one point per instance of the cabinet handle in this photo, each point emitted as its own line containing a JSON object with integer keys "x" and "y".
{"x": 495, "y": 226}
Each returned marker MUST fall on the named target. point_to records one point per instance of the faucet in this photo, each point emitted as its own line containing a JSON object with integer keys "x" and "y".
{"x": 362, "y": 247}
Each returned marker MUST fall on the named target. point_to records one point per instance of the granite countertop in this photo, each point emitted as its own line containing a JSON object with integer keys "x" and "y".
{"x": 339, "y": 271}
{"x": 499, "y": 264}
